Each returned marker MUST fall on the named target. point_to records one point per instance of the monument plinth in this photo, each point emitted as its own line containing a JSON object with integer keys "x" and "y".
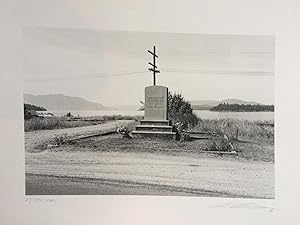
{"x": 155, "y": 123}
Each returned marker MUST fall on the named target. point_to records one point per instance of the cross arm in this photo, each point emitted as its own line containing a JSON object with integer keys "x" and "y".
{"x": 152, "y": 65}
{"x": 153, "y": 54}
{"x": 156, "y": 71}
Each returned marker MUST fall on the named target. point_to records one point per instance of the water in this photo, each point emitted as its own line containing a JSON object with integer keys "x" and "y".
{"x": 99, "y": 113}
{"x": 203, "y": 114}
{"x": 252, "y": 116}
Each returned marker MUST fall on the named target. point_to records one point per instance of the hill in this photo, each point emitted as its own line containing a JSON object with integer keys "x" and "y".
{"x": 62, "y": 102}
{"x": 238, "y": 102}
{"x": 28, "y": 107}
{"x": 208, "y": 104}
{"x": 225, "y": 107}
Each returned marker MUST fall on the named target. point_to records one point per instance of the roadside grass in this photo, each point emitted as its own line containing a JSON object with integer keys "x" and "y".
{"x": 238, "y": 129}
{"x": 52, "y": 123}
{"x": 255, "y": 151}
{"x": 254, "y": 142}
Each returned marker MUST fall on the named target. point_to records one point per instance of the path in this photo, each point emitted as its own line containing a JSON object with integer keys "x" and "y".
{"x": 33, "y": 139}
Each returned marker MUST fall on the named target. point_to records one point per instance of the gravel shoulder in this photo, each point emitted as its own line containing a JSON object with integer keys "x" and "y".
{"x": 148, "y": 173}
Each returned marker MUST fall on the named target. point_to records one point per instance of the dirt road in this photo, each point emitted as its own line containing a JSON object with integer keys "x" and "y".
{"x": 145, "y": 173}
{"x": 34, "y": 139}
{"x": 54, "y": 185}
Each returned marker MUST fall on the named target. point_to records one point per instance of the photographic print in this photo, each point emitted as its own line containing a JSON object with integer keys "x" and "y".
{"x": 148, "y": 113}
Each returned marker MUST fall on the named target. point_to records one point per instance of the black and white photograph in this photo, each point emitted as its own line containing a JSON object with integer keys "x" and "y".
{"x": 138, "y": 112}
{"x": 148, "y": 113}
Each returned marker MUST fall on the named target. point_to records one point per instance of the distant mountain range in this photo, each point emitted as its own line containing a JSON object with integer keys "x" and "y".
{"x": 206, "y": 104}
{"x": 63, "y": 102}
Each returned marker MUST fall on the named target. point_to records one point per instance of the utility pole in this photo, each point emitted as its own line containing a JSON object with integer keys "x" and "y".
{"x": 154, "y": 67}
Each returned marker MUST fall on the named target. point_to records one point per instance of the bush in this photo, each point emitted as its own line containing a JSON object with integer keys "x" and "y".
{"x": 180, "y": 111}
{"x": 60, "y": 139}
{"x": 124, "y": 131}
{"x": 220, "y": 143}
{"x": 69, "y": 114}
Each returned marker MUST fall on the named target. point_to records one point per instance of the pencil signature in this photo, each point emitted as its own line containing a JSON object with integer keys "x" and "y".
{"x": 251, "y": 205}
{"x": 30, "y": 200}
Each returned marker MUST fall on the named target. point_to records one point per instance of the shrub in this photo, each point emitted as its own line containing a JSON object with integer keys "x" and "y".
{"x": 60, "y": 139}
{"x": 180, "y": 111}
{"x": 181, "y": 133}
{"x": 124, "y": 131}
{"x": 220, "y": 143}
{"x": 69, "y": 114}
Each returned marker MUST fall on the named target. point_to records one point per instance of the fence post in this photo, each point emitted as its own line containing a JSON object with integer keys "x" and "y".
{"x": 237, "y": 134}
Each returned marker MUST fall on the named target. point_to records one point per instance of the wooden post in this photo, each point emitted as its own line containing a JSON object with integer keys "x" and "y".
{"x": 154, "y": 81}
{"x": 237, "y": 134}
{"x": 154, "y": 67}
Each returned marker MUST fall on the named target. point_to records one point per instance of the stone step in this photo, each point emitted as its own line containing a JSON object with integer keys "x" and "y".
{"x": 155, "y": 122}
{"x": 154, "y": 128}
{"x": 154, "y": 134}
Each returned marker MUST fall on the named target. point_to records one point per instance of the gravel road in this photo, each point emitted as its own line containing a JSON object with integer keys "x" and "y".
{"x": 147, "y": 173}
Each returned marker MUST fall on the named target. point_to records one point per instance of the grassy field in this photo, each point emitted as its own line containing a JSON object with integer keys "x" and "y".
{"x": 239, "y": 129}
{"x": 52, "y": 123}
{"x": 252, "y": 140}
{"x": 247, "y": 150}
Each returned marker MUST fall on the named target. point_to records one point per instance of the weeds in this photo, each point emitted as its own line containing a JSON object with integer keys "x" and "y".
{"x": 69, "y": 122}
{"x": 235, "y": 129}
{"x": 124, "y": 131}
{"x": 220, "y": 143}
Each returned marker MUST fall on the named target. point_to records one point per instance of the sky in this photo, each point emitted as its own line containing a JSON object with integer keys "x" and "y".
{"x": 111, "y": 67}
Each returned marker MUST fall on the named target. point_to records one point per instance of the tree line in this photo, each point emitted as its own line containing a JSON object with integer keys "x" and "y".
{"x": 242, "y": 108}
{"x": 28, "y": 107}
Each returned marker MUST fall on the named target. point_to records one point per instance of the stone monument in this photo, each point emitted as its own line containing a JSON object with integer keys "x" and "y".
{"x": 156, "y": 103}
{"x": 155, "y": 123}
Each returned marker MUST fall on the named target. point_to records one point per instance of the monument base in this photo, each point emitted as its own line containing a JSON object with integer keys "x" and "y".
{"x": 155, "y": 123}
{"x": 154, "y": 129}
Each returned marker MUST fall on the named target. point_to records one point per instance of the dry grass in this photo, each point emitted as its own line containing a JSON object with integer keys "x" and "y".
{"x": 258, "y": 151}
{"x": 238, "y": 129}
{"x": 255, "y": 141}
{"x": 52, "y": 123}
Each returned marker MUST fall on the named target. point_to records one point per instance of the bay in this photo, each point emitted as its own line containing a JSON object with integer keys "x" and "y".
{"x": 203, "y": 114}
